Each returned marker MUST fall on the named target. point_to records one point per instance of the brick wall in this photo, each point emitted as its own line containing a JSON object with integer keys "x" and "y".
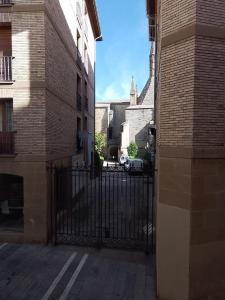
{"x": 176, "y": 14}
{"x": 190, "y": 149}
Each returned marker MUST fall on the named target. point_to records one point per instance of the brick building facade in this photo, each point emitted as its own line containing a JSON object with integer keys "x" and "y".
{"x": 47, "y": 98}
{"x": 190, "y": 73}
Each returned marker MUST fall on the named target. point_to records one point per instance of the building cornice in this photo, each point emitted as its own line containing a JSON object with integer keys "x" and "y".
{"x": 33, "y": 7}
{"x": 93, "y": 14}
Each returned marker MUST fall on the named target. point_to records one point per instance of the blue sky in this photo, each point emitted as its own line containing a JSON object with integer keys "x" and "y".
{"x": 124, "y": 50}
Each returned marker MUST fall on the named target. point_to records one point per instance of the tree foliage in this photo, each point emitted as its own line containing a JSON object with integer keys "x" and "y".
{"x": 100, "y": 142}
{"x": 132, "y": 149}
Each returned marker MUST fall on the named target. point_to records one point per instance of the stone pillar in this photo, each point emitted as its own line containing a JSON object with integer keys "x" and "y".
{"x": 191, "y": 150}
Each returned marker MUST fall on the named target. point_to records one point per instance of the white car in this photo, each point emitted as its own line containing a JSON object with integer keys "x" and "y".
{"x": 123, "y": 159}
{"x": 135, "y": 165}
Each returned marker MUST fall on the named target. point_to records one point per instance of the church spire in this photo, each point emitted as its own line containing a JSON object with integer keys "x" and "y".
{"x": 132, "y": 89}
{"x": 133, "y": 93}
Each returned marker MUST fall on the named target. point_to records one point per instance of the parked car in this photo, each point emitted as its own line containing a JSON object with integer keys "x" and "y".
{"x": 123, "y": 159}
{"x": 135, "y": 165}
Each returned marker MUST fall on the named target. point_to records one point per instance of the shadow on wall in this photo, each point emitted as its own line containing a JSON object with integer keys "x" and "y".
{"x": 141, "y": 139}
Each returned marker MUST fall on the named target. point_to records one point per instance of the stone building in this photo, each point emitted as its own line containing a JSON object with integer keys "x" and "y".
{"x": 190, "y": 73}
{"x": 47, "y": 70}
{"x": 138, "y": 118}
{"x": 109, "y": 117}
{"x": 128, "y": 121}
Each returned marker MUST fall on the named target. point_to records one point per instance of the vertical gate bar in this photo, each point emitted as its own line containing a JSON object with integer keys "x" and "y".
{"x": 147, "y": 218}
{"x": 113, "y": 211}
{"x": 75, "y": 212}
{"x": 95, "y": 212}
{"x": 152, "y": 208}
{"x": 130, "y": 208}
{"x": 64, "y": 200}
{"x": 125, "y": 201}
{"x": 136, "y": 178}
{"x": 87, "y": 223}
{"x": 107, "y": 199}
{"x": 99, "y": 210}
{"x": 71, "y": 203}
{"x": 59, "y": 199}
{"x": 120, "y": 186}
{"x": 96, "y": 199}
{"x": 92, "y": 201}
{"x": 138, "y": 205}
{"x": 79, "y": 203}
{"x": 143, "y": 209}
{"x": 62, "y": 204}
{"x": 110, "y": 228}
{"x": 117, "y": 208}
{"x": 68, "y": 212}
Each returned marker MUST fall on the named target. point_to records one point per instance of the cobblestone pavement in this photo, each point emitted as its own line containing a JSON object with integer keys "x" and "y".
{"x": 31, "y": 272}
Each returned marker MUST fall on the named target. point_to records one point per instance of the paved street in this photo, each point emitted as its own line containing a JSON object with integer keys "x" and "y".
{"x": 66, "y": 272}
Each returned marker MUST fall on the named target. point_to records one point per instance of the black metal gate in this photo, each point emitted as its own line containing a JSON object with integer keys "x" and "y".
{"x": 103, "y": 208}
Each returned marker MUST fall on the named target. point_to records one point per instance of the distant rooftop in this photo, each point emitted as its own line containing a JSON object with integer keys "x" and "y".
{"x": 113, "y": 101}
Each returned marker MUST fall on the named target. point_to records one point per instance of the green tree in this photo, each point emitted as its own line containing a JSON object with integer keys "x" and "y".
{"x": 132, "y": 149}
{"x": 100, "y": 143}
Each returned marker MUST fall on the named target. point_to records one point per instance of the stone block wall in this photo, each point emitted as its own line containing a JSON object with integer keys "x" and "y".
{"x": 139, "y": 119}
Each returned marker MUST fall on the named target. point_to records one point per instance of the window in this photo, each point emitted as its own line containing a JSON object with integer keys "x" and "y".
{"x": 6, "y": 115}
{"x": 86, "y": 95}
{"x": 79, "y": 84}
{"x": 86, "y": 58}
{"x": 79, "y": 42}
{"x": 110, "y": 133}
{"x": 85, "y": 124}
{"x": 79, "y": 136}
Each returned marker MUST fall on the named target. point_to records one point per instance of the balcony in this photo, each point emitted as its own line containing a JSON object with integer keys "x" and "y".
{"x": 7, "y": 143}
{"x": 79, "y": 102}
{"x": 6, "y": 69}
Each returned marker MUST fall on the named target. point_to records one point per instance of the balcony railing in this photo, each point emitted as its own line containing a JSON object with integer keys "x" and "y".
{"x": 79, "y": 102}
{"x": 6, "y": 68}
{"x": 7, "y": 143}
{"x": 6, "y": 2}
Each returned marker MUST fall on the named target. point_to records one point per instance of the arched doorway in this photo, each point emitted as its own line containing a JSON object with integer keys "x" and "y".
{"x": 11, "y": 202}
{"x": 113, "y": 152}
